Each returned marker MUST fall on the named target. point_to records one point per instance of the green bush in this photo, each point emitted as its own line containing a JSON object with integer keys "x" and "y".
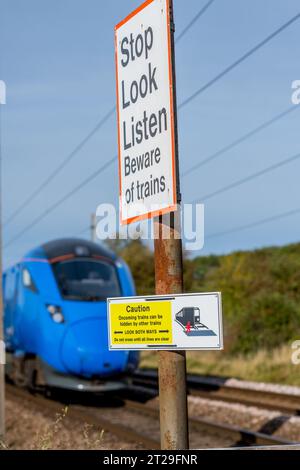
{"x": 260, "y": 290}
{"x": 270, "y": 319}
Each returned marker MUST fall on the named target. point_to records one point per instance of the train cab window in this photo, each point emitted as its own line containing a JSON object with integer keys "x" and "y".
{"x": 86, "y": 279}
{"x": 27, "y": 280}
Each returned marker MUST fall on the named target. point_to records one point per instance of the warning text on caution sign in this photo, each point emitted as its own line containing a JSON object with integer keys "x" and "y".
{"x": 141, "y": 323}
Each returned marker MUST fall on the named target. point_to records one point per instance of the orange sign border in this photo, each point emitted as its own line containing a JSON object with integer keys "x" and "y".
{"x": 173, "y": 206}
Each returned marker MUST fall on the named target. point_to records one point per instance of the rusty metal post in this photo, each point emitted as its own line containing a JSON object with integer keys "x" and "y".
{"x": 172, "y": 364}
{"x": 169, "y": 280}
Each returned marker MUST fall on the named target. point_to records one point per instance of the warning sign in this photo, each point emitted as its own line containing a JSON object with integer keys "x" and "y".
{"x": 184, "y": 321}
{"x": 141, "y": 323}
{"x": 145, "y": 109}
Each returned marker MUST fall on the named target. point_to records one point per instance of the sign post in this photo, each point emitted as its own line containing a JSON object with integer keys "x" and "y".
{"x": 149, "y": 188}
{"x": 171, "y": 364}
{"x": 169, "y": 279}
{"x": 149, "y": 176}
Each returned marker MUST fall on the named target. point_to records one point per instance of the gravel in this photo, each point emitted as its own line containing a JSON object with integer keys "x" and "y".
{"x": 249, "y": 417}
{"x": 242, "y": 416}
{"x": 264, "y": 387}
{"x": 27, "y": 428}
{"x": 30, "y": 428}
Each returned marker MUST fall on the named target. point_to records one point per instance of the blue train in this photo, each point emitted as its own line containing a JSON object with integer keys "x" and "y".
{"x": 55, "y": 318}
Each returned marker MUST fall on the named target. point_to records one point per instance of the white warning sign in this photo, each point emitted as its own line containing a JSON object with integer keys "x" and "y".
{"x": 147, "y": 168}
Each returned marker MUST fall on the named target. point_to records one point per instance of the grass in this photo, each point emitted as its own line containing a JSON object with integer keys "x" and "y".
{"x": 263, "y": 366}
{"x": 50, "y": 434}
{"x": 45, "y": 440}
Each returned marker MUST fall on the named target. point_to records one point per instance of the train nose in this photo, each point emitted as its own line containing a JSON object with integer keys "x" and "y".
{"x": 85, "y": 351}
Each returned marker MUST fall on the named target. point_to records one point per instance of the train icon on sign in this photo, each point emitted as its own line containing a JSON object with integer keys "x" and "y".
{"x": 189, "y": 319}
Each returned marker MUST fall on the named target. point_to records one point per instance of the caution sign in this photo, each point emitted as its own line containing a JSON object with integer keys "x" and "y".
{"x": 185, "y": 321}
{"x": 141, "y": 323}
{"x": 145, "y": 107}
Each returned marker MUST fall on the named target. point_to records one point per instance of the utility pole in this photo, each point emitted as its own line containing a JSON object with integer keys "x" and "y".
{"x": 169, "y": 280}
{"x": 2, "y": 350}
{"x": 93, "y": 228}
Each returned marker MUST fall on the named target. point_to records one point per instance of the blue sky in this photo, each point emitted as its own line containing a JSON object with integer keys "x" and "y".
{"x": 57, "y": 59}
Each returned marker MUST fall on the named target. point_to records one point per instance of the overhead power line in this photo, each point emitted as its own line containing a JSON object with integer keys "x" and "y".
{"x": 194, "y": 20}
{"x": 240, "y": 140}
{"x": 85, "y": 230}
{"x": 60, "y": 201}
{"x": 69, "y": 157}
{"x": 184, "y": 103}
{"x": 255, "y": 224}
{"x": 59, "y": 168}
{"x": 240, "y": 182}
{"x": 239, "y": 61}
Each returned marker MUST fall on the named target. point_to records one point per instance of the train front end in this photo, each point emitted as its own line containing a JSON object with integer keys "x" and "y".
{"x": 72, "y": 280}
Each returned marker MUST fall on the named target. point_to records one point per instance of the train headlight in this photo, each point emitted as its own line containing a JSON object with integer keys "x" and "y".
{"x": 56, "y": 313}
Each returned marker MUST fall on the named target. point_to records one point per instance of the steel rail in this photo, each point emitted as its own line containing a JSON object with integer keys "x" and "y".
{"x": 214, "y": 388}
{"x": 240, "y": 436}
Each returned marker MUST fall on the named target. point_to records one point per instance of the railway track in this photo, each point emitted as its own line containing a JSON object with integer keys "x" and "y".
{"x": 83, "y": 415}
{"x": 139, "y": 423}
{"x": 240, "y": 436}
{"x": 215, "y": 388}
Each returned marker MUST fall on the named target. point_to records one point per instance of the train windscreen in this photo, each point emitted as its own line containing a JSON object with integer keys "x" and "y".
{"x": 89, "y": 280}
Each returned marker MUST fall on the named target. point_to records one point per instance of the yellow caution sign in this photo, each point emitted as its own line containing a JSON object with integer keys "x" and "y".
{"x": 159, "y": 322}
{"x": 141, "y": 323}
